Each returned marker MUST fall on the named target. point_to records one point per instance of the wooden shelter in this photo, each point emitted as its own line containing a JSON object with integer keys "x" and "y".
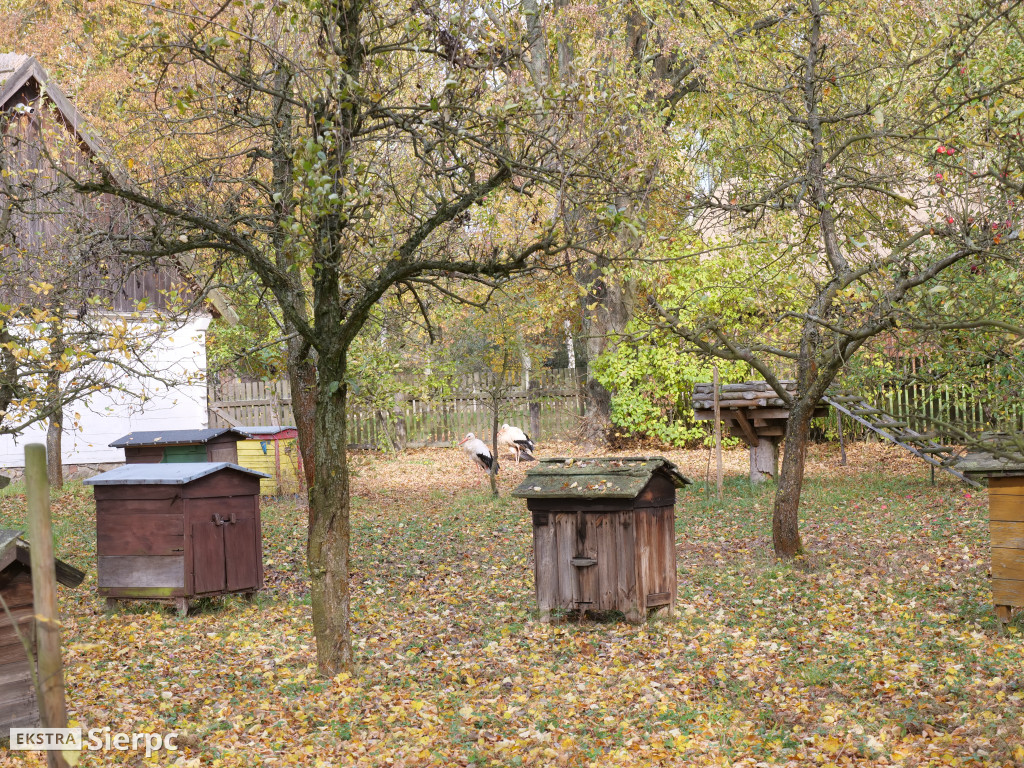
{"x": 175, "y": 446}
{"x": 754, "y": 413}
{"x": 604, "y": 534}
{"x": 274, "y": 451}
{"x": 173, "y": 532}
{"x": 1006, "y": 525}
{"x": 18, "y": 707}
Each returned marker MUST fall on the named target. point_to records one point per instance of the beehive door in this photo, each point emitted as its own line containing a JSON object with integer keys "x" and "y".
{"x": 585, "y": 561}
{"x": 240, "y": 554}
{"x": 208, "y": 556}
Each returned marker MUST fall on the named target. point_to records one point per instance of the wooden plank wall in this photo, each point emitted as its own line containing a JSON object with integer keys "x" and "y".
{"x": 239, "y": 403}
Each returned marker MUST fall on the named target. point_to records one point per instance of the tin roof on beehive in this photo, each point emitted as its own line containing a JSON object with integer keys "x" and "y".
{"x": 165, "y": 474}
{"x": 268, "y": 431}
{"x": 606, "y": 477}
{"x": 175, "y": 437}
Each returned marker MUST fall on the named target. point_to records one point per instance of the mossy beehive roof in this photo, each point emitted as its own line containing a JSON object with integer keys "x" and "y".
{"x": 605, "y": 477}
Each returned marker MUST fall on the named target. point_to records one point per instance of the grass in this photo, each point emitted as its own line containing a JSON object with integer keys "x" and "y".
{"x": 879, "y": 647}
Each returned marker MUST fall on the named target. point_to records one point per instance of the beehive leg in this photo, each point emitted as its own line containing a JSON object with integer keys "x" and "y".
{"x": 1003, "y": 612}
{"x": 250, "y": 597}
{"x": 113, "y": 604}
{"x": 181, "y": 604}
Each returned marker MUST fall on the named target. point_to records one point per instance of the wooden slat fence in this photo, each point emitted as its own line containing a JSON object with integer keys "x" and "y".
{"x": 557, "y": 397}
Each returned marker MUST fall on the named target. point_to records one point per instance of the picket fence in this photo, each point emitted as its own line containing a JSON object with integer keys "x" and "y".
{"x": 550, "y": 405}
{"x": 556, "y": 397}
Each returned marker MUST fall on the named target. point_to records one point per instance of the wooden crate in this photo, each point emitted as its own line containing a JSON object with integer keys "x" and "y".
{"x": 178, "y": 531}
{"x": 18, "y": 708}
{"x": 603, "y": 534}
{"x": 180, "y": 446}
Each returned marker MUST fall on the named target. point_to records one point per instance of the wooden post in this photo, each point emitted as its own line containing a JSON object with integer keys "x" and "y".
{"x": 52, "y": 708}
{"x": 718, "y": 435}
{"x": 534, "y": 407}
{"x": 842, "y": 446}
{"x": 764, "y": 460}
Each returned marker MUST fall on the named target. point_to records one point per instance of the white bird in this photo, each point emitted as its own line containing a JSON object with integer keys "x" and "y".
{"x": 478, "y": 451}
{"x": 516, "y": 441}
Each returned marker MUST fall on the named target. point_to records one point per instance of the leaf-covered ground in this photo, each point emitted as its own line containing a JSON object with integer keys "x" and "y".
{"x": 880, "y": 648}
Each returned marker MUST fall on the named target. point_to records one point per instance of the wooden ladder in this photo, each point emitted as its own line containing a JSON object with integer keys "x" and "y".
{"x": 892, "y": 429}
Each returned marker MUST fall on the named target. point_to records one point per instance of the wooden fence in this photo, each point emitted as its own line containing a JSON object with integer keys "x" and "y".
{"x": 553, "y": 401}
{"x": 557, "y": 403}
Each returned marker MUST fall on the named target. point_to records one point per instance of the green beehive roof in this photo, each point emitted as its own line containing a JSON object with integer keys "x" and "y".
{"x": 611, "y": 478}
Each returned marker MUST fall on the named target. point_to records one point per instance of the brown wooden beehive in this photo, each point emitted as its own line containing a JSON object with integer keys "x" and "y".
{"x": 1006, "y": 526}
{"x": 178, "y": 531}
{"x": 18, "y": 708}
{"x": 604, "y": 534}
{"x": 169, "y": 446}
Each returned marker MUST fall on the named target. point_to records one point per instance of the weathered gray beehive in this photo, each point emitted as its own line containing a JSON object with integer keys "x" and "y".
{"x": 18, "y": 708}
{"x": 604, "y": 534}
{"x": 178, "y": 531}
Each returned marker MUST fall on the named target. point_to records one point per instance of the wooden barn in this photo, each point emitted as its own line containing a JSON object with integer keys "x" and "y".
{"x": 274, "y": 451}
{"x": 173, "y": 532}
{"x": 66, "y": 250}
{"x": 177, "y": 446}
{"x": 18, "y": 707}
{"x": 604, "y": 534}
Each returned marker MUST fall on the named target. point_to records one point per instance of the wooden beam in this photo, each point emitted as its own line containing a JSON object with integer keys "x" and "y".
{"x": 50, "y": 682}
{"x": 748, "y": 429}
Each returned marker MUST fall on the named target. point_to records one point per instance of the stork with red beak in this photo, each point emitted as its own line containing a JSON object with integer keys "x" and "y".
{"x": 478, "y": 451}
{"x": 516, "y": 442}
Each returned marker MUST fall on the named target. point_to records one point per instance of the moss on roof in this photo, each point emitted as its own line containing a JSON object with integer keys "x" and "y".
{"x": 606, "y": 477}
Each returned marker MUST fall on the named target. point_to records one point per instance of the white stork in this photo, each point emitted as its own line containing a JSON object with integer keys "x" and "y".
{"x": 478, "y": 451}
{"x": 516, "y": 441}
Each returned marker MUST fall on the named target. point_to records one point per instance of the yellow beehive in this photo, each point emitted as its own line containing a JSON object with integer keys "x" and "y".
{"x": 1006, "y": 525}
{"x": 275, "y": 451}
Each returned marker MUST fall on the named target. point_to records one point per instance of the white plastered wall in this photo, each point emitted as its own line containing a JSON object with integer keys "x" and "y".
{"x": 137, "y": 404}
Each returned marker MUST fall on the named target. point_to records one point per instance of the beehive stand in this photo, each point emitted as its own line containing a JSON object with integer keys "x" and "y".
{"x": 754, "y": 413}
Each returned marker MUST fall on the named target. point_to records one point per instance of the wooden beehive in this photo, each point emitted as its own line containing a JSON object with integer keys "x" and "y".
{"x": 171, "y": 446}
{"x": 18, "y": 708}
{"x": 178, "y": 531}
{"x": 275, "y": 451}
{"x": 603, "y": 534}
{"x": 1006, "y": 526}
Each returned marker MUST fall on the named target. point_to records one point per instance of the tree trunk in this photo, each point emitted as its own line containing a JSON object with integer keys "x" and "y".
{"x": 494, "y": 447}
{"x": 785, "y": 517}
{"x": 329, "y": 530}
{"x": 607, "y": 308}
{"x": 302, "y": 378}
{"x": 764, "y": 460}
{"x": 54, "y": 459}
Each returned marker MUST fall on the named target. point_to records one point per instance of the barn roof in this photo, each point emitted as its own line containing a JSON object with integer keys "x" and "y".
{"x": 14, "y": 548}
{"x": 18, "y": 69}
{"x": 176, "y": 437}
{"x": 165, "y": 474}
{"x": 606, "y": 477}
